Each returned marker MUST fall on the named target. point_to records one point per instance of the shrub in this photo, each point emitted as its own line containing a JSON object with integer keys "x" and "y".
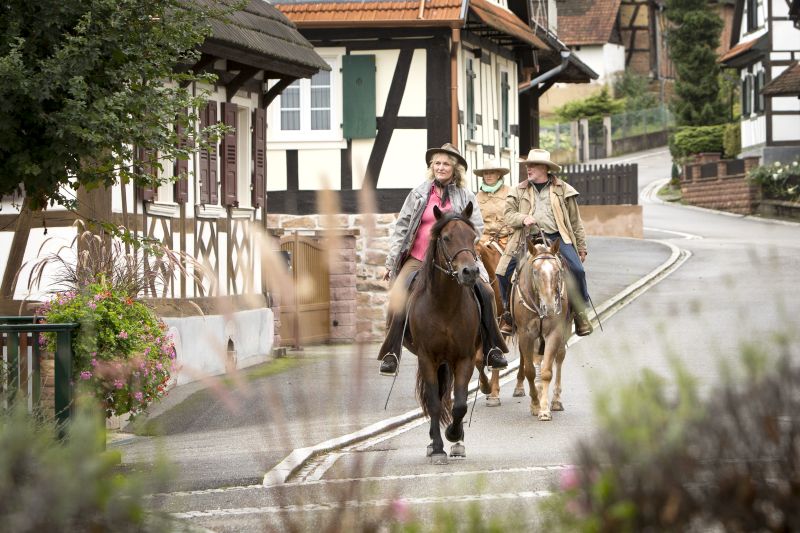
{"x": 732, "y": 139}
{"x": 635, "y": 90}
{"x": 121, "y": 350}
{"x": 592, "y": 107}
{"x": 51, "y": 484}
{"x": 690, "y": 140}
{"x": 778, "y": 181}
{"x": 671, "y": 462}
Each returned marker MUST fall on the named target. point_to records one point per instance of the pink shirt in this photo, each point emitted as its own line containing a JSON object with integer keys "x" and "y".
{"x": 423, "y": 237}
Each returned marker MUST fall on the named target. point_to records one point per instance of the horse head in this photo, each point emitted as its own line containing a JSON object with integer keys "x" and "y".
{"x": 542, "y": 282}
{"x": 454, "y": 248}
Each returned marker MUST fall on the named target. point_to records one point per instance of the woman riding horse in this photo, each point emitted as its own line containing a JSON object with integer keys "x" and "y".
{"x": 547, "y": 204}
{"x": 443, "y": 188}
{"x": 492, "y": 203}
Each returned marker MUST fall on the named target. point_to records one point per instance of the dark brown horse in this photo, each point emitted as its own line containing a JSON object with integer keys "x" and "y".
{"x": 444, "y": 328}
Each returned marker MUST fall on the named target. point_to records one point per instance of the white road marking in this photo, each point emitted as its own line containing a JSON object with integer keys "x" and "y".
{"x": 354, "y": 504}
{"x": 689, "y": 236}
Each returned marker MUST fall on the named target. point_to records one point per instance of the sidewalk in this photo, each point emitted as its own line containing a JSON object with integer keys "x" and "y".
{"x": 231, "y": 430}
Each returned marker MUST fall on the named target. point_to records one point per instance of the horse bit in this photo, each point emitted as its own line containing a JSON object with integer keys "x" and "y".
{"x": 450, "y": 271}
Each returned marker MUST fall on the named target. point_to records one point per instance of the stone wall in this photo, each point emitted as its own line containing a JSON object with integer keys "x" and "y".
{"x": 720, "y": 184}
{"x": 358, "y": 246}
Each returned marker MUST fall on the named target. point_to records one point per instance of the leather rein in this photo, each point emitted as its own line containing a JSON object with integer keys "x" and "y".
{"x": 450, "y": 270}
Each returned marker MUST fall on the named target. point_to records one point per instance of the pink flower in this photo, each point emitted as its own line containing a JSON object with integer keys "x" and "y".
{"x": 94, "y": 362}
{"x": 85, "y": 375}
{"x": 401, "y": 511}
{"x": 118, "y": 384}
{"x": 92, "y": 305}
{"x": 123, "y": 335}
{"x": 570, "y": 478}
{"x": 98, "y": 297}
{"x": 159, "y": 366}
{"x": 138, "y": 396}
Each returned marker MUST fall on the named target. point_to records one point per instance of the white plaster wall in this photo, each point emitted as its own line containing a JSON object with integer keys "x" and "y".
{"x": 276, "y": 170}
{"x": 39, "y": 246}
{"x": 404, "y": 165}
{"x": 385, "y": 64}
{"x": 360, "y": 150}
{"x": 779, "y": 8}
{"x": 595, "y": 57}
{"x": 784, "y": 35}
{"x": 614, "y": 61}
{"x": 786, "y": 103}
{"x": 319, "y": 169}
{"x": 754, "y": 132}
{"x": 201, "y": 342}
{"x": 785, "y": 128}
{"x": 413, "y": 104}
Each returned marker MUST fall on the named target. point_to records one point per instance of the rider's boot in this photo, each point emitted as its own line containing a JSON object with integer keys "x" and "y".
{"x": 492, "y": 340}
{"x": 389, "y": 354}
{"x": 506, "y": 323}
{"x": 583, "y": 326}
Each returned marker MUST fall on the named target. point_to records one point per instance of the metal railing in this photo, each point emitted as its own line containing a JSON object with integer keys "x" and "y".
{"x": 19, "y": 337}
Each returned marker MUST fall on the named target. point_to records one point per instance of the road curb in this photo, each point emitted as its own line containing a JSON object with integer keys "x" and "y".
{"x": 298, "y": 458}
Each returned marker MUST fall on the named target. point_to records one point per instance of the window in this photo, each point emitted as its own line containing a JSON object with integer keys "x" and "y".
{"x": 752, "y": 14}
{"x": 505, "y": 128}
{"x": 470, "y": 118}
{"x": 309, "y": 109}
{"x": 747, "y": 92}
{"x": 758, "y": 97}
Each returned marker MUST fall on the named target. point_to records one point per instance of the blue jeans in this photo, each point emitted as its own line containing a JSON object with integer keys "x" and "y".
{"x": 574, "y": 264}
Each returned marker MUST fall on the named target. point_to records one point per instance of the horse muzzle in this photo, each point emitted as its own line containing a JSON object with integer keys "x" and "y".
{"x": 467, "y": 275}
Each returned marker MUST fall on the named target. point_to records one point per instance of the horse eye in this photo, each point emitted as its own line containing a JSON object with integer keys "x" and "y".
{"x": 446, "y": 238}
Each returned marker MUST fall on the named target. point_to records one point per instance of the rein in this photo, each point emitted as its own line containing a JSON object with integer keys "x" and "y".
{"x": 450, "y": 271}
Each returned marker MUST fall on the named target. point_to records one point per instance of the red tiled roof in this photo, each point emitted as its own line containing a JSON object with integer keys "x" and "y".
{"x": 786, "y": 84}
{"x": 327, "y": 14}
{"x": 737, "y": 50}
{"x": 504, "y": 20}
{"x": 586, "y": 22}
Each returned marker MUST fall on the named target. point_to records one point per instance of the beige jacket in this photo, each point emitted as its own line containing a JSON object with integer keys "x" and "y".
{"x": 521, "y": 203}
{"x": 493, "y": 206}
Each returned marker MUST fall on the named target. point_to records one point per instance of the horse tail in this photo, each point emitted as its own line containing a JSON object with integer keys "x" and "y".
{"x": 445, "y": 379}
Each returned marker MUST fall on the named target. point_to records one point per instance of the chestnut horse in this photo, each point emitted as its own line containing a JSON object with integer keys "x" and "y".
{"x": 540, "y": 306}
{"x": 444, "y": 328}
{"x": 490, "y": 252}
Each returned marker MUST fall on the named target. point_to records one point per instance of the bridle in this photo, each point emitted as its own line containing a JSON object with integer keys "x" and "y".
{"x": 440, "y": 249}
{"x": 532, "y": 306}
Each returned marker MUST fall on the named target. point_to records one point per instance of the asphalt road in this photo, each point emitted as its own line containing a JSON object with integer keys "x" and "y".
{"x": 736, "y": 286}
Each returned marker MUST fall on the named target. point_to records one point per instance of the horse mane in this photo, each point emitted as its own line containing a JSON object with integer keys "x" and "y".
{"x": 428, "y": 264}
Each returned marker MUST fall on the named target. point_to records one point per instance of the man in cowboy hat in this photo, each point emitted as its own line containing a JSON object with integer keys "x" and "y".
{"x": 545, "y": 203}
{"x": 492, "y": 202}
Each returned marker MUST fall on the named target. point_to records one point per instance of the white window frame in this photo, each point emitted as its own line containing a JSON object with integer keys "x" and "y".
{"x": 305, "y": 134}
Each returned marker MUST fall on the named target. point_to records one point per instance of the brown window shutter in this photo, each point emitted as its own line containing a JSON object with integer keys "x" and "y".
{"x": 229, "y": 112}
{"x": 208, "y": 158}
{"x": 144, "y": 161}
{"x": 259, "y": 156}
{"x": 180, "y": 190}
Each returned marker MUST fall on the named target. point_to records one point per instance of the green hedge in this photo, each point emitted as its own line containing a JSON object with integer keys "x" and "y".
{"x": 732, "y": 139}
{"x": 690, "y": 140}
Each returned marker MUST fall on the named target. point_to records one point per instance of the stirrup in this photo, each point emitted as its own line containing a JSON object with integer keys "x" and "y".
{"x": 500, "y": 360}
{"x": 390, "y": 364}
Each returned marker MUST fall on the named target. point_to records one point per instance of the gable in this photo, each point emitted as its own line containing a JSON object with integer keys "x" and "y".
{"x": 587, "y": 22}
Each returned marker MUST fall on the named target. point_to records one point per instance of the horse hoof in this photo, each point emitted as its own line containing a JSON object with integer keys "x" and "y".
{"x": 545, "y": 417}
{"x": 557, "y": 406}
{"x": 519, "y": 392}
{"x": 451, "y": 435}
{"x": 458, "y": 450}
{"x": 534, "y": 411}
{"x": 492, "y": 401}
{"x": 439, "y": 458}
{"x": 429, "y": 451}
{"x": 486, "y": 389}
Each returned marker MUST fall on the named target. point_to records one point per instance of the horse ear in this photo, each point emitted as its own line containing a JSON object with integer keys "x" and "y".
{"x": 556, "y": 246}
{"x": 531, "y": 242}
{"x": 437, "y": 212}
{"x": 467, "y": 212}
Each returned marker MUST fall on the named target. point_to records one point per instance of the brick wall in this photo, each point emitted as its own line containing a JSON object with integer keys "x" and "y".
{"x": 720, "y": 184}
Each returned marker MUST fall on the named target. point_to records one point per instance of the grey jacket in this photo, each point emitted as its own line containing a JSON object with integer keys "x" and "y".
{"x": 407, "y": 224}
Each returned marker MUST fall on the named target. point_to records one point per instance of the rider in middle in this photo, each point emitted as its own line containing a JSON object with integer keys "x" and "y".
{"x": 492, "y": 202}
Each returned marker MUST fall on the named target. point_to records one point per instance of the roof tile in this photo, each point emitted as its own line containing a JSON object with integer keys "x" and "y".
{"x": 586, "y": 22}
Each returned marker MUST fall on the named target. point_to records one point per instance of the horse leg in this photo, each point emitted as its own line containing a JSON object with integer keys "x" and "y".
{"x": 556, "y": 404}
{"x": 493, "y": 399}
{"x": 519, "y": 389}
{"x": 455, "y": 431}
{"x": 546, "y": 379}
{"x": 526, "y": 346}
{"x": 433, "y": 406}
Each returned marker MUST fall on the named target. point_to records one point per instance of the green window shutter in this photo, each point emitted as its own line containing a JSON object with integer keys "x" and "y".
{"x": 358, "y": 75}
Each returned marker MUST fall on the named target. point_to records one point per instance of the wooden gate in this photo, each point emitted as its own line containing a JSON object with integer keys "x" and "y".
{"x": 305, "y": 310}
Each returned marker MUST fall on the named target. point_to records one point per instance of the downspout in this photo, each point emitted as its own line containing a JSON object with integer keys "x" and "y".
{"x": 455, "y": 45}
{"x": 565, "y": 54}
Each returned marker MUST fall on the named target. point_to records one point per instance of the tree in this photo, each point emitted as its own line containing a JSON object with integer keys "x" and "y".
{"x": 693, "y": 40}
{"x": 85, "y": 83}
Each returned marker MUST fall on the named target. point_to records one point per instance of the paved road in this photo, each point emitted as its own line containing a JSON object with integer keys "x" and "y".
{"x": 735, "y": 287}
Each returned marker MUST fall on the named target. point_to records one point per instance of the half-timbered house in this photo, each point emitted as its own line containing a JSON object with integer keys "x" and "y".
{"x": 764, "y": 44}
{"x": 215, "y": 214}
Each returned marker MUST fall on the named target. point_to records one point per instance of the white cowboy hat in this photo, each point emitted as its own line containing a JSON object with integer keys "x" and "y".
{"x": 490, "y": 164}
{"x": 537, "y": 156}
{"x": 448, "y": 149}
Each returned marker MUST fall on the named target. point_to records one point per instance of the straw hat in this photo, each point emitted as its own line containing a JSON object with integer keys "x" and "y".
{"x": 448, "y": 149}
{"x": 537, "y": 156}
{"x": 490, "y": 164}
